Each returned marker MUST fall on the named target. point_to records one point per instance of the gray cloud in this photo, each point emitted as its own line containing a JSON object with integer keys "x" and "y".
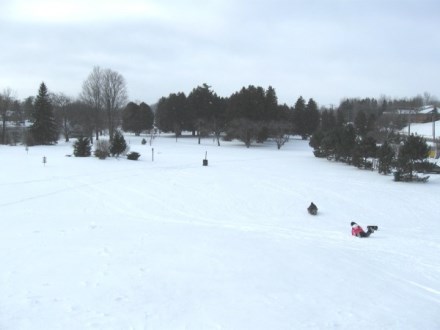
{"x": 321, "y": 49}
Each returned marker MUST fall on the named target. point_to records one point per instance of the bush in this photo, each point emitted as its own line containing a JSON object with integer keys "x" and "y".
{"x": 133, "y": 155}
{"x": 82, "y": 147}
{"x": 144, "y": 141}
{"x": 102, "y": 149}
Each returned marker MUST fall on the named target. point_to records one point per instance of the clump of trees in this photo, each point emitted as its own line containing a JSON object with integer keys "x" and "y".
{"x": 137, "y": 118}
{"x": 355, "y": 143}
{"x": 115, "y": 147}
{"x": 356, "y": 132}
{"x": 251, "y": 115}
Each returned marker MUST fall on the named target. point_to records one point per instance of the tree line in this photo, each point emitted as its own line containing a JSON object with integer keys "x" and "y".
{"x": 349, "y": 132}
{"x": 250, "y": 115}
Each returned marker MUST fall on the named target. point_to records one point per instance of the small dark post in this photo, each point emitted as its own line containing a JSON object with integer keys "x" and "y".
{"x": 152, "y": 154}
{"x": 44, "y": 160}
{"x": 205, "y": 161}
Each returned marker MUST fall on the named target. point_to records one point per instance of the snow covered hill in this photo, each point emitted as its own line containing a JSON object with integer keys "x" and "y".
{"x": 172, "y": 244}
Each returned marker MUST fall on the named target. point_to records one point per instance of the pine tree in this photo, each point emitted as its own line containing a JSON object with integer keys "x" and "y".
{"x": 82, "y": 147}
{"x": 385, "y": 154}
{"x": 299, "y": 117}
{"x": 361, "y": 123}
{"x": 118, "y": 144}
{"x": 414, "y": 151}
{"x": 44, "y": 129}
{"x": 311, "y": 117}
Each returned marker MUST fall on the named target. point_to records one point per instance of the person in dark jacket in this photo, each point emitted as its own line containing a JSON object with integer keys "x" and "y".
{"x": 313, "y": 209}
{"x": 358, "y": 231}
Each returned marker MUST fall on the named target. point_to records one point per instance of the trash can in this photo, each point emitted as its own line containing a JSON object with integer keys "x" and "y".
{"x": 205, "y": 162}
{"x": 397, "y": 176}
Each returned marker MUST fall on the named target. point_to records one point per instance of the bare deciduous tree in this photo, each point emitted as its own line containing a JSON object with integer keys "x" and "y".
{"x": 92, "y": 95}
{"x": 279, "y": 131}
{"x": 114, "y": 97}
{"x": 105, "y": 90}
{"x": 60, "y": 102}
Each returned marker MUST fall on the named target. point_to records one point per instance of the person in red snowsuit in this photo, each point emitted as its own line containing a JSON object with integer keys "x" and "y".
{"x": 357, "y": 230}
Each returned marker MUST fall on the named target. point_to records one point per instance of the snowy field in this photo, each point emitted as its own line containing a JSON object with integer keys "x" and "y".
{"x": 171, "y": 244}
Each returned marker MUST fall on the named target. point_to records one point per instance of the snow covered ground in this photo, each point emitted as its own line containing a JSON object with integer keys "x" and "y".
{"x": 423, "y": 129}
{"x": 171, "y": 244}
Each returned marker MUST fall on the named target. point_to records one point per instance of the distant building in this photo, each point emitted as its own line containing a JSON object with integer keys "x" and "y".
{"x": 420, "y": 115}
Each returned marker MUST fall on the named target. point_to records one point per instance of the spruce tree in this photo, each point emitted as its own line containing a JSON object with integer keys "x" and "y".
{"x": 44, "y": 129}
{"x": 118, "y": 144}
{"x": 311, "y": 117}
{"x": 82, "y": 147}
{"x": 413, "y": 152}
{"x": 361, "y": 123}
{"x": 385, "y": 155}
{"x": 299, "y": 117}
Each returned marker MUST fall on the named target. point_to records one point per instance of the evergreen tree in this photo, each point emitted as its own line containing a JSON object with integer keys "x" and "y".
{"x": 82, "y": 147}
{"x": 311, "y": 117}
{"x": 131, "y": 121}
{"x": 137, "y": 118}
{"x": 414, "y": 151}
{"x": 346, "y": 143}
{"x": 248, "y": 114}
{"x": 202, "y": 105}
{"x": 172, "y": 114}
{"x": 118, "y": 144}
{"x": 272, "y": 109}
{"x": 328, "y": 120}
{"x": 385, "y": 155}
{"x": 44, "y": 129}
{"x": 340, "y": 118}
{"x": 364, "y": 148}
{"x": 299, "y": 117}
{"x": 147, "y": 115}
{"x": 361, "y": 123}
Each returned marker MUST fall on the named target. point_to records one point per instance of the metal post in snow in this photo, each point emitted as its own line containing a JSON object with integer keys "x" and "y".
{"x": 152, "y": 154}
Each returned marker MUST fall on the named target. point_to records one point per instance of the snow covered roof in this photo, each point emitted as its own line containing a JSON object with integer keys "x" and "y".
{"x": 427, "y": 109}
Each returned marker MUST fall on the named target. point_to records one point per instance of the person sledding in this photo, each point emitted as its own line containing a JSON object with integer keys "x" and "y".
{"x": 358, "y": 231}
{"x": 313, "y": 209}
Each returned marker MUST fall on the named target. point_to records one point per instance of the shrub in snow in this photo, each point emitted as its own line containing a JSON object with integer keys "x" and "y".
{"x": 118, "y": 144}
{"x": 102, "y": 149}
{"x": 82, "y": 147}
{"x": 133, "y": 155}
{"x": 144, "y": 141}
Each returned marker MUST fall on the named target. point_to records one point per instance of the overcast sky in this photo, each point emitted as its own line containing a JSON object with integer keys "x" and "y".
{"x": 321, "y": 49}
